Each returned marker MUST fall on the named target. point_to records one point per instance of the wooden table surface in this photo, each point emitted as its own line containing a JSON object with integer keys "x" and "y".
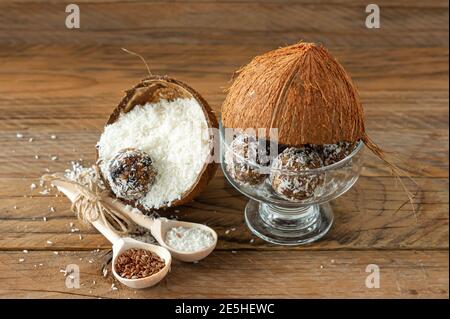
{"x": 56, "y": 81}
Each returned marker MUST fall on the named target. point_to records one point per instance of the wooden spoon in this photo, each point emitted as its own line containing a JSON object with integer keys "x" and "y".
{"x": 157, "y": 226}
{"x": 120, "y": 245}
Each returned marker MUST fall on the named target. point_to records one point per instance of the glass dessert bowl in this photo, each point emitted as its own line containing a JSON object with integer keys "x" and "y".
{"x": 290, "y": 194}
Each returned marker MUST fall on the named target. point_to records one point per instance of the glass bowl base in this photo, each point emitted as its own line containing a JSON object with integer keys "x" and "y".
{"x": 288, "y": 226}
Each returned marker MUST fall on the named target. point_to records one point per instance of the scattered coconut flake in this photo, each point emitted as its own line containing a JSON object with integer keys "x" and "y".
{"x": 49, "y": 242}
{"x": 71, "y": 224}
{"x": 19, "y": 135}
{"x": 105, "y": 272}
{"x": 56, "y": 253}
{"x": 30, "y": 139}
{"x": 54, "y": 158}
{"x": 252, "y": 241}
{"x": 52, "y": 209}
{"x": 44, "y": 218}
{"x": 53, "y": 137}
{"x": 15, "y": 207}
{"x": 234, "y": 252}
{"x": 25, "y": 251}
{"x": 36, "y": 156}
{"x": 21, "y": 260}
{"x": 83, "y": 175}
{"x": 33, "y": 186}
{"x": 113, "y": 287}
{"x": 81, "y": 237}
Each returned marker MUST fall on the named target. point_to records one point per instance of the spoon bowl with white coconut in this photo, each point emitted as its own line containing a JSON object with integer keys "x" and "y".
{"x": 188, "y": 242}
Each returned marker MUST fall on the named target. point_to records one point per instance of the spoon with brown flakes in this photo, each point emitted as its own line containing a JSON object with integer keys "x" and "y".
{"x": 135, "y": 264}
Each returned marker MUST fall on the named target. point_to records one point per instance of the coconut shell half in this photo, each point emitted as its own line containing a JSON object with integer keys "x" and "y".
{"x": 151, "y": 90}
{"x": 302, "y": 91}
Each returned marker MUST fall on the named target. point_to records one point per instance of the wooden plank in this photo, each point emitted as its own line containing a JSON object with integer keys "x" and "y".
{"x": 333, "y": 23}
{"x": 245, "y": 274}
{"x": 374, "y": 214}
{"x": 98, "y": 75}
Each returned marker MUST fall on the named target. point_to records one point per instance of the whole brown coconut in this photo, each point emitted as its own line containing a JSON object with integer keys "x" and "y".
{"x": 301, "y": 90}
{"x": 151, "y": 90}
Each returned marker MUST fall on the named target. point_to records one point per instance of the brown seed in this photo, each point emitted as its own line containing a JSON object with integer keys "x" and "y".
{"x": 138, "y": 263}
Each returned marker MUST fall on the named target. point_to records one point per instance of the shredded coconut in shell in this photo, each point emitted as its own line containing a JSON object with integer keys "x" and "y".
{"x": 175, "y": 135}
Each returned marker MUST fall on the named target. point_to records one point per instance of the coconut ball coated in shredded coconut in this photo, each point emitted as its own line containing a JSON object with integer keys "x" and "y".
{"x": 131, "y": 173}
{"x": 289, "y": 176}
{"x": 189, "y": 239}
{"x": 242, "y": 160}
{"x": 333, "y": 153}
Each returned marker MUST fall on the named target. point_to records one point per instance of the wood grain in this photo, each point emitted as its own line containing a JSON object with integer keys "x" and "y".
{"x": 66, "y": 82}
{"x": 373, "y": 214}
{"x": 155, "y": 22}
{"x": 244, "y": 274}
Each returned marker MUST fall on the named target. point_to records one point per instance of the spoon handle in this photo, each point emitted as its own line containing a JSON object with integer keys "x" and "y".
{"x": 72, "y": 192}
{"x": 152, "y": 224}
{"x": 106, "y": 231}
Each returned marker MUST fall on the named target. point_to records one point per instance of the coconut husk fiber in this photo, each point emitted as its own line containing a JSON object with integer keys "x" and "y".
{"x": 302, "y": 91}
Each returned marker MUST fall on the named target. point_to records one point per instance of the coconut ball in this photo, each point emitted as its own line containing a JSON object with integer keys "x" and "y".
{"x": 131, "y": 173}
{"x": 242, "y": 160}
{"x": 286, "y": 176}
{"x": 333, "y": 153}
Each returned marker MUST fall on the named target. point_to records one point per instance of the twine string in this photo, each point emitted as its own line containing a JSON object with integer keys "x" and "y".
{"x": 90, "y": 205}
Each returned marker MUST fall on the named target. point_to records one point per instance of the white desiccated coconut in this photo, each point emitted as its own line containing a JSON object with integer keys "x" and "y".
{"x": 174, "y": 134}
{"x": 83, "y": 175}
{"x": 189, "y": 239}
